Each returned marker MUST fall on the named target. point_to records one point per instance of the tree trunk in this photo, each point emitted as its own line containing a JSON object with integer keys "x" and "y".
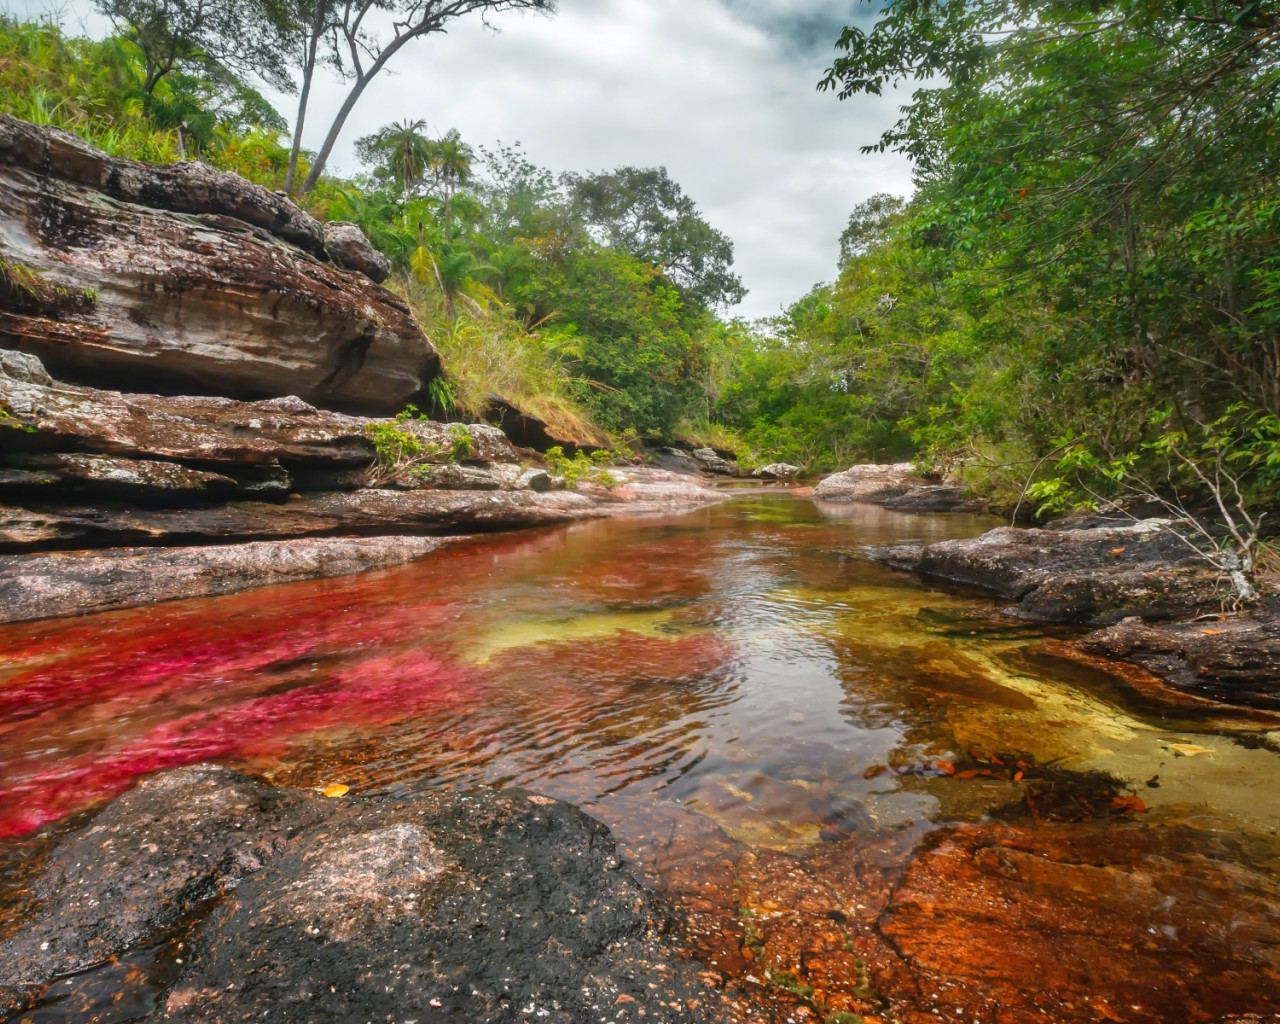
{"x": 308, "y": 72}
{"x": 348, "y": 105}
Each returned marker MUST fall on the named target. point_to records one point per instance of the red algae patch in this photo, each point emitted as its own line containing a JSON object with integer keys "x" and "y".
{"x": 373, "y": 692}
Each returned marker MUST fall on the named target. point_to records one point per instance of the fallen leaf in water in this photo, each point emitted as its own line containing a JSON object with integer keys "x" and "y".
{"x": 973, "y": 773}
{"x": 1188, "y": 749}
{"x": 1128, "y": 804}
{"x": 1116, "y": 552}
{"x": 337, "y": 789}
{"x": 1017, "y": 776}
{"x": 874, "y": 771}
{"x": 1211, "y": 632}
{"x": 946, "y": 767}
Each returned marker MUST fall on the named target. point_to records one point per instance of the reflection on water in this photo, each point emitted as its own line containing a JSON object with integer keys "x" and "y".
{"x": 744, "y": 666}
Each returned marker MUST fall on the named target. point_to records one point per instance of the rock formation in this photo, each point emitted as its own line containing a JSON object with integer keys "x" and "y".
{"x": 897, "y": 487}
{"x": 182, "y": 279}
{"x": 495, "y": 906}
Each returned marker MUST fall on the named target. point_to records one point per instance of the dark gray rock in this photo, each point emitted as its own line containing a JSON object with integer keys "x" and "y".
{"x": 1097, "y": 576}
{"x": 1235, "y": 660}
{"x": 935, "y": 498}
{"x": 709, "y": 461}
{"x": 349, "y": 247}
{"x": 490, "y": 907}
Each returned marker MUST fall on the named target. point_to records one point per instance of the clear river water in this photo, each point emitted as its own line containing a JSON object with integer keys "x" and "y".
{"x": 741, "y": 681}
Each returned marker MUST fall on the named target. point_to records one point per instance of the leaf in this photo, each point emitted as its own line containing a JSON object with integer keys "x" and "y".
{"x": 336, "y": 789}
{"x": 1128, "y": 804}
{"x": 1211, "y": 632}
{"x": 946, "y": 767}
{"x": 1116, "y": 552}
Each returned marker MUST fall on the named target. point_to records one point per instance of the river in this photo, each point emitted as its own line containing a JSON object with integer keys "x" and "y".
{"x": 736, "y": 682}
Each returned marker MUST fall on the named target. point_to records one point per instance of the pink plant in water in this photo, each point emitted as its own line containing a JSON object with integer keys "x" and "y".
{"x": 373, "y": 692}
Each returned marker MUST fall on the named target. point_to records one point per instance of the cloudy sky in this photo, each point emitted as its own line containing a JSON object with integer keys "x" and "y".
{"x": 723, "y": 92}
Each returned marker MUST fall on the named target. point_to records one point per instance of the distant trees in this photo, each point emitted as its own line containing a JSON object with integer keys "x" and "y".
{"x": 228, "y": 37}
{"x": 643, "y": 212}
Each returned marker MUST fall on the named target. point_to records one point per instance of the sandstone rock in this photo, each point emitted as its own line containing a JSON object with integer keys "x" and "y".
{"x": 492, "y": 907}
{"x": 709, "y": 461}
{"x": 23, "y": 367}
{"x": 1234, "y": 660}
{"x": 675, "y": 460}
{"x": 870, "y": 483}
{"x": 366, "y": 512}
{"x": 69, "y": 583}
{"x": 528, "y": 430}
{"x": 776, "y": 471}
{"x": 1098, "y": 575}
{"x": 115, "y": 478}
{"x": 935, "y": 498}
{"x": 185, "y": 279}
{"x": 349, "y": 247}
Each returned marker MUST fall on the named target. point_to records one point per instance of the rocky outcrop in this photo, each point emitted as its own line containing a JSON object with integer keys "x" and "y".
{"x": 898, "y": 488}
{"x": 182, "y": 496}
{"x": 347, "y": 246}
{"x": 184, "y": 279}
{"x": 528, "y": 430}
{"x": 776, "y": 471}
{"x": 1097, "y": 576}
{"x": 870, "y": 483}
{"x": 67, "y": 583}
{"x": 495, "y": 906}
{"x": 1234, "y": 660}
{"x": 711, "y": 461}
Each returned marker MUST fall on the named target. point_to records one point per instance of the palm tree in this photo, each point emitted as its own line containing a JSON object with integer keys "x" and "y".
{"x": 400, "y": 151}
{"x": 451, "y": 165}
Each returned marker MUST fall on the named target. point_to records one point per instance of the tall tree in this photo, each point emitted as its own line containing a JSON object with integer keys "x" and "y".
{"x": 370, "y": 52}
{"x": 644, "y": 213}
{"x": 400, "y": 152}
{"x": 316, "y": 43}
{"x": 451, "y": 160}
{"x": 247, "y": 38}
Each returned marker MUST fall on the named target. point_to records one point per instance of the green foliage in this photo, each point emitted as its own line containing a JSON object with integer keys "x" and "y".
{"x": 400, "y": 451}
{"x": 582, "y": 468}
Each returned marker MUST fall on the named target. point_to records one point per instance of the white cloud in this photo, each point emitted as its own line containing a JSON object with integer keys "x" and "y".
{"x": 723, "y": 92}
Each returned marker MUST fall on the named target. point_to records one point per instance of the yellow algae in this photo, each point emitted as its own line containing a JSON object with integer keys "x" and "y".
{"x": 510, "y": 634}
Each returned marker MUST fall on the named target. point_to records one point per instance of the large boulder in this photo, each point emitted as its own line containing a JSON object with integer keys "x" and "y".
{"x": 349, "y": 247}
{"x": 870, "y": 483}
{"x": 1098, "y": 575}
{"x": 528, "y": 429}
{"x": 182, "y": 279}
{"x": 496, "y": 906}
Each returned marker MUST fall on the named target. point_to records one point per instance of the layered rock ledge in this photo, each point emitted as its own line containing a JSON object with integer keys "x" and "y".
{"x": 109, "y": 500}
{"x": 186, "y": 279}
{"x": 204, "y": 896}
{"x": 897, "y": 487}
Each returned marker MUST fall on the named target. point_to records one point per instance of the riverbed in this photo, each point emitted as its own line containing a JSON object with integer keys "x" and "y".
{"x": 738, "y": 682}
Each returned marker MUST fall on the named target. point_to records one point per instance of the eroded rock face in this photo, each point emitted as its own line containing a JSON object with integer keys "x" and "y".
{"x": 529, "y": 430}
{"x": 1235, "y": 660}
{"x": 1098, "y": 575}
{"x": 776, "y": 471}
{"x": 184, "y": 279}
{"x": 711, "y": 461}
{"x": 494, "y": 907}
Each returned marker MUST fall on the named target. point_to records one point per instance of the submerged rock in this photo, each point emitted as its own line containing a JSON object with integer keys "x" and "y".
{"x": 1098, "y": 575}
{"x": 181, "y": 278}
{"x": 494, "y": 907}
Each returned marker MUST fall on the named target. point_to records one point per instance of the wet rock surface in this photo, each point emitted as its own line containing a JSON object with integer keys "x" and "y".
{"x": 1235, "y": 660}
{"x": 181, "y": 278}
{"x": 146, "y": 478}
{"x": 1098, "y": 575}
{"x": 494, "y": 906}
{"x": 58, "y": 584}
{"x": 1023, "y": 923}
